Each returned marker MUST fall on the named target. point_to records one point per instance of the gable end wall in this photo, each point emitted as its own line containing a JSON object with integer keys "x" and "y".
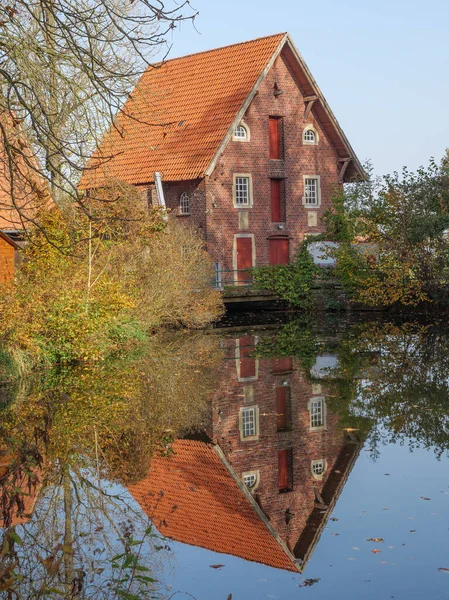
{"x": 253, "y": 157}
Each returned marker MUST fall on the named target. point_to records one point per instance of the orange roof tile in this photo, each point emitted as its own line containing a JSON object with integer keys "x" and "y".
{"x": 30, "y": 189}
{"x": 191, "y": 497}
{"x": 179, "y": 113}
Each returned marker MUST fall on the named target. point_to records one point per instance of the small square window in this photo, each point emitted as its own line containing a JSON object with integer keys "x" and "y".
{"x": 311, "y": 191}
{"x": 249, "y": 428}
{"x": 316, "y": 409}
{"x": 318, "y": 468}
{"x": 242, "y": 191}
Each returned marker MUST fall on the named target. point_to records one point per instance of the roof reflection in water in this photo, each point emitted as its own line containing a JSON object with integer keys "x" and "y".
{"x": 264, "y": 486}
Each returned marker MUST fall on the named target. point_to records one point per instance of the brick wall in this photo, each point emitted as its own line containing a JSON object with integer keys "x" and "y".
{"x": 7, "y": 255}
{"x": 196, "y": 189}
{"x": 262, "y": 454}
{"x": 253, "y": 157}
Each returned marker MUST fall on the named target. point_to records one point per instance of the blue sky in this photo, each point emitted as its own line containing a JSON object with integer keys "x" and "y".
{"x": 383, "y": 66}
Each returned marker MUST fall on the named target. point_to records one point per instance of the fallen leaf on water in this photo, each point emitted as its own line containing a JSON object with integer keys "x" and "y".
{"x": 309, "y": 582}
{"x": 335, "y": 534}
{"x": 376, "y": 551}
{"x": 424, "y": 498}
{"x": 383, "y": 562}
{"x": 352, "y": 558}
{"x": 355, "y": 548}
{"x": 387, "y": 474}
{"x": 391, "y": 547}
{"x": 377, "y": 540}
{"x": 386, "y": 509}
{"x": 333, "y": 519}
{"x": 412, "y": 530}
{"x": 229, "y": 597}
{"x": 216, "y": 566}
{"x": 444, "y": 569}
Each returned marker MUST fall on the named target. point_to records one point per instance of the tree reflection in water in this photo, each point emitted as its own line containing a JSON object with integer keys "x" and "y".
{"x": 282, "y": 411}
{"x": 68, "y": 529}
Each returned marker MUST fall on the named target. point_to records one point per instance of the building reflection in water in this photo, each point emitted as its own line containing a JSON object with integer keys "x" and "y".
{"x": 263, "y": 481}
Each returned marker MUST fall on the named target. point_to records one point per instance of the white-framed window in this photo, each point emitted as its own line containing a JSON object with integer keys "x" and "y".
{"x": 184, "y": 204}
{"x": 312, "y": 192}
{"x": 241, "y": 133}
{"x": 317, "y": 411}
{"x": 318, "y": 468}
{"x": 249, "y": 423}
{"x": 242, "y": 190}
{"x": 251, "y": 479}
{"x": 310, "y": 136}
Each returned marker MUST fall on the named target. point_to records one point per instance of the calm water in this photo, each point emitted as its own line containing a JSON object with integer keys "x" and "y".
{"x": 276, "y": 460}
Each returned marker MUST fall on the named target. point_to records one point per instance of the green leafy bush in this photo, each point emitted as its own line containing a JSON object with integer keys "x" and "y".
{"x": 292, "y": 282}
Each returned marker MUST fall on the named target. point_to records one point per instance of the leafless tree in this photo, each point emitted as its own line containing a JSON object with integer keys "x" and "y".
{"x": 66, "y": 67}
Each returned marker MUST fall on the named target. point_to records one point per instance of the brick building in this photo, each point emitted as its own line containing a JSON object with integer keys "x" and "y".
{"x": 22, "y": 195}
{"x": 265, "y": 486}
{"x": 247, "y": 147}
{"x": 273, "y": 424}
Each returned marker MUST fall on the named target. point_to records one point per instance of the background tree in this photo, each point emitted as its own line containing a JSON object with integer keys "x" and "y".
{"x": 65, "y": 69}
{"x": 394, "y": 246}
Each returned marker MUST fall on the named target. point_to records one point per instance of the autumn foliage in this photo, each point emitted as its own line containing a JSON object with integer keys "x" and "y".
{"x": 92, "y": 281}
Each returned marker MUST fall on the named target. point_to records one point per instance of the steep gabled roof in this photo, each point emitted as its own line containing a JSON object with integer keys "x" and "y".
{"x": 183, "y": 112}
{"x": 192, "y": 497}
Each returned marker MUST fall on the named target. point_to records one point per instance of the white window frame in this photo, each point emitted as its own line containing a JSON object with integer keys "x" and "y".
{"x": 182, "y": 204}
{"x": 236, "y": 176}
{"x": 314, "y": 463}
{"x": 237, "y": 138}
{"x": 309, "y": 142}
{"x": 254, "y": 436}
{"x": 312, "y": 402}
{"x": 318, "y": 191}
{"x": 254, "y": 475}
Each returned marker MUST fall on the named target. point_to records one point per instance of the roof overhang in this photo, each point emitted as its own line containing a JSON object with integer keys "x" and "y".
{"x": 351, "y": 168}
{"x": 7, "y": 239}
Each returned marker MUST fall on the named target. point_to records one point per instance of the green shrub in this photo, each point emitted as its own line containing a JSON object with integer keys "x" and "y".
{"x": 292, "y": 282}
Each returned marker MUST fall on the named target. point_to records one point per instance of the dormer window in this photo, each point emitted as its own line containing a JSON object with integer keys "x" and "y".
{"x": 241, "y": 133}
{"x": 310, "y": 136}
{"x": 184, "y": 204}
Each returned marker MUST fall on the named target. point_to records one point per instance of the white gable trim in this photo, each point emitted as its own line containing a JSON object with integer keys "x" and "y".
{"x": 244, "y": 108}
{"x": 321, "y": 99}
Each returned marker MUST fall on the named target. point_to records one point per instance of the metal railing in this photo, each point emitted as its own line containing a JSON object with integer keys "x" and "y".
{"x": 231, "y": 277}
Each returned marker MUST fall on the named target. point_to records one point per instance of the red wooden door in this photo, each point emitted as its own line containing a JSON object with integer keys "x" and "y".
{"x": 278, "y": 251}
{"x": 247, "y": 362}
{"x": 275, "y": 146}
{"x": 283, "y": 482}
{"x": 244, "y": 251}
{"x": 281, "y": 408}
{"x": 275, "y": 200}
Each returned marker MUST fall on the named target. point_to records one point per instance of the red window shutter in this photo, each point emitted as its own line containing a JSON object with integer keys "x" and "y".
{"x": 281, "y": 407}
{"x": 274, "y": 137}
{"x": 283, "y": 470}
{"x": 276, "y": 200}
{"x": 247, "y": 363}
{"x": 282, "y": 365}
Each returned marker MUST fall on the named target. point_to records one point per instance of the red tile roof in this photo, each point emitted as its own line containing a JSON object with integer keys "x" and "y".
{"x": 30, "y": 189}
{"x": 179, "y": 113}
{"x": 191, "y": 497}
